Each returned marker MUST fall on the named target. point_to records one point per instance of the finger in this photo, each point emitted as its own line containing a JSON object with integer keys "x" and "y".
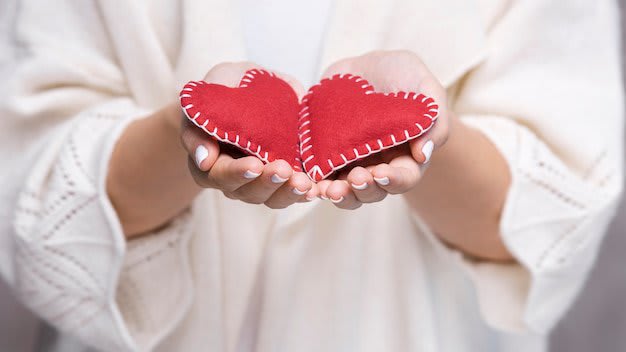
{"x": 274, "y": 175}
{"x": 341, "y": 66}
{"x": 199, "y": 176}
{"x": 322, "y": 186}
{"x": 341, "y": 195}
{"x": 229, "y": 73}
{"x": 438, "y": 109}
{"x": 291, "y": 191}
{"x": 399, "y": 176}
{"x": 294, "y": 83}
{"x": 422, "y": 150}
{"x": 312, "y": 194}
{"x": 201, "y": 147}
{"x": 229, "y": 174}
{"x": 364, "y": 187}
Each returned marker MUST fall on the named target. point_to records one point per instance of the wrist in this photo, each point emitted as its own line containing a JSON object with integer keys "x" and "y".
{"x": 171, "y": 116}
{"x": 148, "y": 181}
{"x": 467, "y": 181}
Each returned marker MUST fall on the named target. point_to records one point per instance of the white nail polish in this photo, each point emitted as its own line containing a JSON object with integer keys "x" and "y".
{"x": 383, "y": 181}
{"x": 251, "y": 175}
{"x": 336, "y": 200}
{"x": 201, "y": 154}
{"x": 359, "y": 187}
{"x": 299, "y": 192}
{"x": 427, "y": 150}
{"x": 323, "y": 197}
{"x": 277, "y": 179}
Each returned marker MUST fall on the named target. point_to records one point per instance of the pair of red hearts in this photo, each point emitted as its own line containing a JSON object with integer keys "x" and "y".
{"x": 340, "y": 120}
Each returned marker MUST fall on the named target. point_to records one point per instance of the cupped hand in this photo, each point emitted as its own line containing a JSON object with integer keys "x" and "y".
{"x": 397, "y": 170}
{"x": 247, "y": 178}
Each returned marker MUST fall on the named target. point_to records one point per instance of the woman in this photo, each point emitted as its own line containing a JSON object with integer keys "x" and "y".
{"x": 108, "y": 237}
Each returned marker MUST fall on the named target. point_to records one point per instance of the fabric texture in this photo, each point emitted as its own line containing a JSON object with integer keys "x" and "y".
{"x": 260, "y": 117}
{"x": 368, "y": 280}
{"x": 343, "y": 120}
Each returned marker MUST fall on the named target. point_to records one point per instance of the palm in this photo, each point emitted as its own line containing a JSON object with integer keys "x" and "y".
{"x": 396, "y": 170}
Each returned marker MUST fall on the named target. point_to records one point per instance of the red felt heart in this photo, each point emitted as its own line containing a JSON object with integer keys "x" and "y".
{"x": 260, "y": 116}
{"x": 343, "y": 119}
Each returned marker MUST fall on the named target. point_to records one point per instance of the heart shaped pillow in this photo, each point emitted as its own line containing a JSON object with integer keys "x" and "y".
{"x": 259, "y": 117}
{"x": 340, "y": 120}
{"x": 343, "y": 119}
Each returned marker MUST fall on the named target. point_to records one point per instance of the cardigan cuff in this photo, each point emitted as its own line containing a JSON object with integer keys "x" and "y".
{"x": 72, "y": 265}
{"x": 553, "y": 222}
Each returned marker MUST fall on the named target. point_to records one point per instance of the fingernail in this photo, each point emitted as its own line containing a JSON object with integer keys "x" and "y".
{"x": 336, "y": 200}
{"x": 310, "y": 199}
{"x": 201, "y": 154}
{"x": 359, "y": 187}
{"x": 251, "y": 175}
{"x": 299, "y": 192}
{"x": 383, "y": 181}
{"x": 427, "y": 150}
{"x": 277, "y": 179}
{"x": 323, "y": 197}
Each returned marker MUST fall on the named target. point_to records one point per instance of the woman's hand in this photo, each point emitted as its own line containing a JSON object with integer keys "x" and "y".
{"x": 247, "y": 179}
{"x": 148, "y": 180}
{"x": 461, "y": 195}
{"x": 396, "y": 170}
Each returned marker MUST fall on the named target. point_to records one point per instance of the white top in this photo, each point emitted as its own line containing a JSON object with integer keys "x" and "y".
{"x": 233, "y": 277}
{"x": 285, "y": 36}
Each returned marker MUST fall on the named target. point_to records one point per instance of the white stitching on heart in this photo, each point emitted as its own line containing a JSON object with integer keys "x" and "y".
{"x": 314, "y": 170}
{"x": 247, "y": 79}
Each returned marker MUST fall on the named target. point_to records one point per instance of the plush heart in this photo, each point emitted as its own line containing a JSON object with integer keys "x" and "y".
{"x": 343, "y": 119}
{"x": 259, "y": 117}
{"x": 340, "y": 120}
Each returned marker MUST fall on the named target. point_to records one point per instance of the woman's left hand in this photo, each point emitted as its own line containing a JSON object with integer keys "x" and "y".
{"x": 399, "y": 169}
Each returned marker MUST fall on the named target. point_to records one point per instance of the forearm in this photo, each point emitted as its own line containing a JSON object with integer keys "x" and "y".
{"x": 462, "y": 193}
{"x": 148, "y": 180}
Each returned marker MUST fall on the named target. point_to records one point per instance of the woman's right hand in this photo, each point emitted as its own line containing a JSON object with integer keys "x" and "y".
{"x": 247, "y": 179}
{"x": 148, "y": 184}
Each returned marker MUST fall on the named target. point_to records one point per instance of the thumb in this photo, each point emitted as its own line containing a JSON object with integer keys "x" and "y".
{"x": 203, "y": 150}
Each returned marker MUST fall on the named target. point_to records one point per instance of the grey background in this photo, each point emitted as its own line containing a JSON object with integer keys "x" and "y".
{"x": 596, "y": 322}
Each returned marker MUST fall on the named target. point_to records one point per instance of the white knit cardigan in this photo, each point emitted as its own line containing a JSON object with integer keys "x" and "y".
{"x": 541, "y": 79}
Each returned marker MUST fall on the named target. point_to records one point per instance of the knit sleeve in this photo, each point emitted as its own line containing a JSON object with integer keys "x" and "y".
{"x": 549, "y": 97}
{"x": 64, "y": 103}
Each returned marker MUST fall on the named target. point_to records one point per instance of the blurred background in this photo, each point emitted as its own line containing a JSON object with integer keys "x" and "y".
{"x": 596, "y": 322}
